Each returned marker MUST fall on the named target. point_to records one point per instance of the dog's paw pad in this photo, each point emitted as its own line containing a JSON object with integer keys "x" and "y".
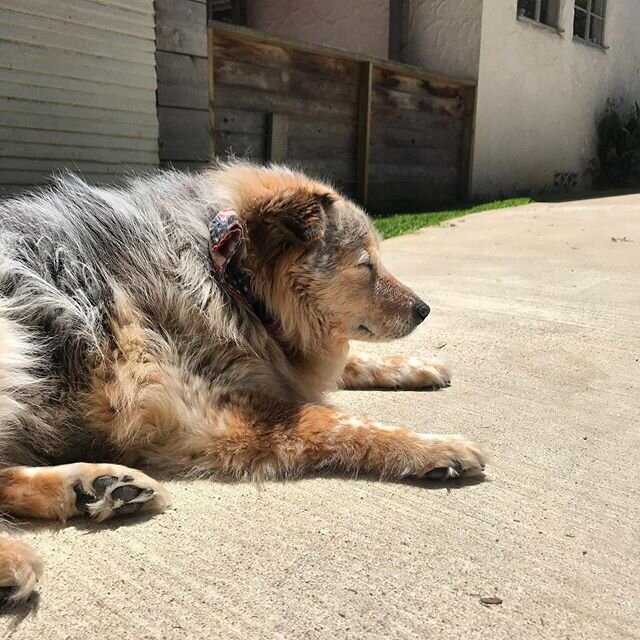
{"x": 442, "y": 474}
{"x": 118, "y": 495}
{"x": 453, "y": 457}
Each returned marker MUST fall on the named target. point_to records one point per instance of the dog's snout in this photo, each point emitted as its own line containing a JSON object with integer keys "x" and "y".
{"x": 421, "y": 309}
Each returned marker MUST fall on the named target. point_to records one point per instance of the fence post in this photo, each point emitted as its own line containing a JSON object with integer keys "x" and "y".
{"x": 466, "y": 160}
{"x": 365, "y": 85}
{"x": 277, "y": 139}
{"x": 211, "y": 90}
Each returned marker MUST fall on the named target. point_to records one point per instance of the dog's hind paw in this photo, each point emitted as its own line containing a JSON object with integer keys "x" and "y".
{"x": 103, "y": 491}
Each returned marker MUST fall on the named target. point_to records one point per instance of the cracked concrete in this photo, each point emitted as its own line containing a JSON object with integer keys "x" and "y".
{"x": 538, "y": 311}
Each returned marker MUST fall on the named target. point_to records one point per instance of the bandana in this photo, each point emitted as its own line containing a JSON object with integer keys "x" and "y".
{"x": 226, "y": 234}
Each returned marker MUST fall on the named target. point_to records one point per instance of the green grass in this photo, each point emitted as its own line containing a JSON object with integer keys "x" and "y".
{"x": 397, "y": 224}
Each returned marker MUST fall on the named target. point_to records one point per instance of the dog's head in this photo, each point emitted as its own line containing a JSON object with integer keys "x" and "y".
{"x": 314, "y": 259}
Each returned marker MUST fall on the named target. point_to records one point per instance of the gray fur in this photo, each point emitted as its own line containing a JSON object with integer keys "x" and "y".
{"x": 64, "y": 252}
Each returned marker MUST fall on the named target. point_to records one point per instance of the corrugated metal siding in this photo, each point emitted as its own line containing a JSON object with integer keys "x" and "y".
{"x": 77, "y": 89}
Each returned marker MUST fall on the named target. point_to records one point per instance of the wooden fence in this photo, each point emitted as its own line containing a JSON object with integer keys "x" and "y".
{"x": 393, "y": 136}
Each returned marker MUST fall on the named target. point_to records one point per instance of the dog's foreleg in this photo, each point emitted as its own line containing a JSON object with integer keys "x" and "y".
{"x": 394, "y": 372}
{"x": 96, "y": 490}
{"x": 269, "y": 439}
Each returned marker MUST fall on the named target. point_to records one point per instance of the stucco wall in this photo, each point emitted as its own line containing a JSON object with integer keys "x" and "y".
{"x": 540, "y": 92}
{"x": 354, "y": 25}
{"x": 444, "y": 36}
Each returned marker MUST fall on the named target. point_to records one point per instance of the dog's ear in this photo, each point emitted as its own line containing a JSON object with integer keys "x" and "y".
{"x": 292, "y": 215}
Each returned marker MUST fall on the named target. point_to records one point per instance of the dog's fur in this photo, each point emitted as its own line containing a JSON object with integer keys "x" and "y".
{"x": 118, "y": 346}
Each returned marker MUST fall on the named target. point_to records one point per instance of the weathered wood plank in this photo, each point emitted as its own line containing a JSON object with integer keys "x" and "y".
{"x": 241, "y": 121}
{"x": 401, "y": 156}
{"x": 264, "y": 55}
{"x": 323, "y": 148}
{"x": 398, "y": 81}
{"x": 181, "y": 27}
{"x": 453, "y": 107}
{"x": 364, "y": 131}
{"x": 257, "y": 100}
{"x": 259, "y": 37}
{"x": 380, "y": 172}
{"x": 277, "y": 137}
{"x": 182, "y": 80}
{"x": 410, "y": 119}
{"x": 331, "y": 170}
{"x": 183, "y": 134}
{"x": 333, "y": 126}
{"x": 427, "y": 138}
{"x": 211, "y": 92}
{"x": 466, "y": 147}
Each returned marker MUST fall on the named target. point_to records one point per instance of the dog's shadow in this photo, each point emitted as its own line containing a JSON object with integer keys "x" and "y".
{"x": 17, "y": 613}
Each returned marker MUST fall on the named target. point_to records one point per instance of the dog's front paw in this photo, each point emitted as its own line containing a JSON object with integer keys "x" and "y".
{"x": 454, "y": 456}
{"x": 426, "y": 373}
{"x": 103, "y": 491}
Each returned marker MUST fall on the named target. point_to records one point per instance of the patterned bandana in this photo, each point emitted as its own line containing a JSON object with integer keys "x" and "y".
{"x": 226, "y": 234}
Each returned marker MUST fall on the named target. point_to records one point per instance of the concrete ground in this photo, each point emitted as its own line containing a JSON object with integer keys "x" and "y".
{"x": 538, "y": 311}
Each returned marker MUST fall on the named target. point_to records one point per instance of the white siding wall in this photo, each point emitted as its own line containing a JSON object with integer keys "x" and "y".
{"x": 77, "y": 89}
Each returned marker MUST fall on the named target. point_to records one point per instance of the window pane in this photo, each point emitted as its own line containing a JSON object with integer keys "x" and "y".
{"x": 582, "y": 3}
{"x": 580, "y": 24}
{"x": 597, "y": 30}
{"x": 548, "y": 12}
{"x": 527, "y": 9}
{"x": 597, "y": 7}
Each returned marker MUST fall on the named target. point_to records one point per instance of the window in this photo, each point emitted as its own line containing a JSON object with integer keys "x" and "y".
{"x": 588, "y": 20}
{"x": 543, "y": 11}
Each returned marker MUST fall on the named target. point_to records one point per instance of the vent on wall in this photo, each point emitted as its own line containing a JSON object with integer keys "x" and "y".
{"x": 230, "y": 11}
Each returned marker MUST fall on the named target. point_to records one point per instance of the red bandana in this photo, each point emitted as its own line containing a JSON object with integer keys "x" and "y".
{"x": 226, "y": 233}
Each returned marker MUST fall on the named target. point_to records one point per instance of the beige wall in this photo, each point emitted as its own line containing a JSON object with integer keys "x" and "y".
{"x": 444, "y": 36}
{"x": 354, "y": 25}
{"x": 540, "y": 92}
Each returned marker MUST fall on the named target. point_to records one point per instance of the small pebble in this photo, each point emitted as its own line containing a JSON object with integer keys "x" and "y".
{"x": 488, "y": 600}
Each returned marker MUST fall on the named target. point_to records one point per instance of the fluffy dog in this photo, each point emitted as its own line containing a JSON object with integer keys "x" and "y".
{"x": 193, "y": 323}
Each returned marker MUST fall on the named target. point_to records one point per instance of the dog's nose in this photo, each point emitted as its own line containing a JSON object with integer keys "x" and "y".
{"x": 421, "y": 309}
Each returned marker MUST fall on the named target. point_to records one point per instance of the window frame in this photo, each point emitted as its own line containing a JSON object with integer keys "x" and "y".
{"x": 589, "y": 14}
{"x": 554, "y": 7}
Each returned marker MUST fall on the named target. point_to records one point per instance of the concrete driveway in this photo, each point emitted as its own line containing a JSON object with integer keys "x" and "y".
{"x": 538, "y": 311}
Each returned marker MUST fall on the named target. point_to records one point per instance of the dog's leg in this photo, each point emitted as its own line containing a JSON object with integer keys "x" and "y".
{"x": 268, "y": 439}
{"x": 96, "y": 490}
{"x": 394, "y": 372}
{"x": 20, "y": 569}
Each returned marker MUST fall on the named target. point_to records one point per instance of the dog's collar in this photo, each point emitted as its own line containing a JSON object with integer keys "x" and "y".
{"x": 226, "y": 234}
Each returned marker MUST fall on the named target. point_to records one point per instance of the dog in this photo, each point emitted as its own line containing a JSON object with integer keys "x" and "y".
{"x": 194, "y": 323}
